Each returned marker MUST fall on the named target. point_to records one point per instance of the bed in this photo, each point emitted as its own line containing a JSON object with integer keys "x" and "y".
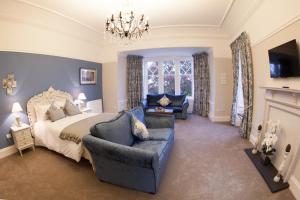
{"x": 47, "y": 133}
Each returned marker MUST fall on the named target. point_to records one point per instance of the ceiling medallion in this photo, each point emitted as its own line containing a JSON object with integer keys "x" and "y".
{"x": 126, "y": 26}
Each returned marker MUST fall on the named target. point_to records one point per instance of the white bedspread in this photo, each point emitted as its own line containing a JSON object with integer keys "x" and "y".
{"x": 47, "y": 133}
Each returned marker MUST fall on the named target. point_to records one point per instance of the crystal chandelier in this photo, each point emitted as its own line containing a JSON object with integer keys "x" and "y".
{"x": 126, "y": 26}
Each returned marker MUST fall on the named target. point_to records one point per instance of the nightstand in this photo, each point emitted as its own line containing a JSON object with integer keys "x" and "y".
{"x": 22, "y": 137}
{"x": 85, "y": 110}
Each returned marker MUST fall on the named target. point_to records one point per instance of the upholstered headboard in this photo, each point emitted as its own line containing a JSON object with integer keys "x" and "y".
{"x": 46, "y": 97}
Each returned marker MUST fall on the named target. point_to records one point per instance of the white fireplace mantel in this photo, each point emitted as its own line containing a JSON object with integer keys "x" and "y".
{"x": 287, "y": 96}
{"x": 283, "y": 104}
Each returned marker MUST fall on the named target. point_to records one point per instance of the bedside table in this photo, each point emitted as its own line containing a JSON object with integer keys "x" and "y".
{"x": 22, "y": 137}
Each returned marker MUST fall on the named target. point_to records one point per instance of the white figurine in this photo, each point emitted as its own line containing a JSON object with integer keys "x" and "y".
{"x": 255, "y": 150}
{"x": 282, "y": 165}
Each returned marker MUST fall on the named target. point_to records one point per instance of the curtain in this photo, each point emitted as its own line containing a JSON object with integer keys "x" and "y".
{"x": 134, "y": 80}
{"x": 201, "y": 84}
{"x": 241, "y": 51}
{"x": 235, "y": 64}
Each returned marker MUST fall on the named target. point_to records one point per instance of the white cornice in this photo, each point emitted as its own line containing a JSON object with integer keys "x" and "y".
{"x": 278, "y": 29}
{"x": 226, "y": 13}
{"x": 52, "y": 11}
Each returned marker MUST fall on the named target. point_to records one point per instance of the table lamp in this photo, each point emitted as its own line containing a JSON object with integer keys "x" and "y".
{"x": 81, "y": 98}
{"x": 16, "y": 108}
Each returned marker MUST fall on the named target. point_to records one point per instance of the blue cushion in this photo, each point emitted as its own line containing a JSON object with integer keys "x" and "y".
{"x": 152, "y": 99}
{"x": 176, "y": 100}
{"x": 160, "y": 134}
{"x": 138, "y": 112}
{"x": 152, "y": 145}
{"x": 117, "y": 130}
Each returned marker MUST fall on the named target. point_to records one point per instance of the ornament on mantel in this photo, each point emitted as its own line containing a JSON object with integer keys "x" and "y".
{"x": 255, "y": 149}
{"x": 269, "y": 141}
{"x": 283, "y": 163}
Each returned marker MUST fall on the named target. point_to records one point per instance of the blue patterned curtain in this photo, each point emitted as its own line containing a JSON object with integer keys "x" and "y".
{"x": 134, "y": 80}
{"x": 201, "y": 84}
{"x": 241, "y": 53}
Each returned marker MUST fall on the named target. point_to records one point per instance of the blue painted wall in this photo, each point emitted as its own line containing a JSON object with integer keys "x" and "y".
{"x": 35, "y": 73}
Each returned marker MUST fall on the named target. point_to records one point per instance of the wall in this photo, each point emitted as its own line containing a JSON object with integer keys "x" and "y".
{"x": 110, "y": 88}
{"x": 222, "y": 84}
{"x": 262, "y": 77}
{"x": 268, "y": 24}
{"x": 219, "y": 53}
{"x": 27, "y": 28}
{"x": 35, "y": 73}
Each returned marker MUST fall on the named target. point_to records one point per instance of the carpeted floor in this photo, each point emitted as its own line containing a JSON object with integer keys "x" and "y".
{"x": 207, "y": 162}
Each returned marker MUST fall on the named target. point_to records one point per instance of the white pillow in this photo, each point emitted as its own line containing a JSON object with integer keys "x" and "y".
{"x": 41, "y": 111}
{"x": 139, "y": 129}
{"x": 164, "y": 101}
{"x": 59, "y": 103}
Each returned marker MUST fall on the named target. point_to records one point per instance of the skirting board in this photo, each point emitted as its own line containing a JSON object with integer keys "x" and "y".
{"x": 219, "y": 118}
{"x": 7, "y": 151}
{"x": 295, "y": 187}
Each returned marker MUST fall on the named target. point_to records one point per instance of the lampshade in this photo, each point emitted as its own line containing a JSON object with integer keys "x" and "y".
{"x": 81, "y": 96}
{"x": 16, "y": 107}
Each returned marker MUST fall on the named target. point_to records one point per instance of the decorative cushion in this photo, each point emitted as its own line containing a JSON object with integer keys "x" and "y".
{"x": 71, "y": 109}
{"x": 177, "y": 100}
{"x": 152, "y": 99}
{"x": 55, "y": 113}
{"x": 164, "y": 101}
{"x": 41, "y": 111}
{"x": 59, "y": 104}
{"x": 139, "y": 129}
{"x": 117, "y": 130}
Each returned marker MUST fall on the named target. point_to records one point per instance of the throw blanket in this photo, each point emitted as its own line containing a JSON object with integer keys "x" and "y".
{"x": 77, "y": 130}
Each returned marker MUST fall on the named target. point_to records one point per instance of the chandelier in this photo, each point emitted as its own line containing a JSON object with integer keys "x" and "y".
{"x": 126, "y": 26}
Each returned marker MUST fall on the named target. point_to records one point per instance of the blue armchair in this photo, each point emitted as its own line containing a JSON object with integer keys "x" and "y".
{"x": 122, "y": 159}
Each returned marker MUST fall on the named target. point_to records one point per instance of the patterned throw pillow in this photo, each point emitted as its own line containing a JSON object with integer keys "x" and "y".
{"x": 55, "y": 113}
{"x": 71, "y": 109}
{"x": 139, "y": 129}
{"x": 164, "y": 101}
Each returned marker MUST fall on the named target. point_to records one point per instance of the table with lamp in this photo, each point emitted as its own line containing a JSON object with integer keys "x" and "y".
{"x": 21, "y": 132}
{"x": 81, "y": 103}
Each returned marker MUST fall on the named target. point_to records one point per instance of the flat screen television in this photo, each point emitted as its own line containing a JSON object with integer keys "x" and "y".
{"x": 284, "y": 60}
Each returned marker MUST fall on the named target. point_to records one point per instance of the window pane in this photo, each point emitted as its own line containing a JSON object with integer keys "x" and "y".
{"x": 185, "y": 67}
{"x": 186, "y": 85}
{"x": 152, "y": 79}
{"x": 169, "y": 77}
{"x": 186, "y": 77}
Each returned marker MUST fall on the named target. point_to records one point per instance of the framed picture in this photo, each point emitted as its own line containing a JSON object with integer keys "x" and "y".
{"x": 88, "y": 76}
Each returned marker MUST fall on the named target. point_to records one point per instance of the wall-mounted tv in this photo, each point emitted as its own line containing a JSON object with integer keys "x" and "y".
{"x": 284, "y": 60}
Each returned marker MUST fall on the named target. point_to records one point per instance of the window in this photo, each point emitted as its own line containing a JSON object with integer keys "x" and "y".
{"x": 152, "y": 80}
{"x": 186, "y": 77}
{"x": 172, "y": 75}
{"x": 169, "y": 77}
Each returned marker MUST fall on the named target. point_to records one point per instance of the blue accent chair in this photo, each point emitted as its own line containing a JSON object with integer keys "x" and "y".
{"x": 122, "y": 159}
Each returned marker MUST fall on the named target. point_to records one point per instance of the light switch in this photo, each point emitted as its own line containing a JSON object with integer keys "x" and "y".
{"x": 223, "y": 79}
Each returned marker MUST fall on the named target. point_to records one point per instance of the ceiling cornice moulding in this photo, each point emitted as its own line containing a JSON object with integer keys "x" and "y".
{"x": 228, "y": 9}
{"x": 87, "y": 26}
{"x": 52, "y": 11}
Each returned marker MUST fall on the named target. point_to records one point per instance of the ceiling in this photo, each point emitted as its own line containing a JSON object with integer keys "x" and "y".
{"x": 161, "y": 13}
